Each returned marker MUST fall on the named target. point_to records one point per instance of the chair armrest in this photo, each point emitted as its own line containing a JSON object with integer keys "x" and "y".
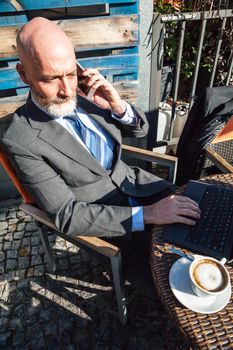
{"x": 95, "y": 243}
{"x": 220, "y": 162}
{"x": 151, "y": 156}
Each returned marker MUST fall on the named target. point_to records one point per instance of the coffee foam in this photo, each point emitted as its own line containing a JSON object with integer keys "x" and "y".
{"x": 209, "y": 275}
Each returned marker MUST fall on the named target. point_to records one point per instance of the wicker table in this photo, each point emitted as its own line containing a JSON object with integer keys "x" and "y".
{"x": 213, "y": 331}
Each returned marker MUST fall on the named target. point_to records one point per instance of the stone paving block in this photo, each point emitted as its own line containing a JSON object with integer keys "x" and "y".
{"x": 2, "y": 233}
{"x": 23, "y": 283}
{"x": 35, "y": 240}
{"x": 2, "y": 216}
{"x": 2, "y": 256}
{"x": 35, "y": 250}
{"x": 19, "y": 274}
{"x": 18, "y": 234}
{"x": 11, "y": 264}
{"x": 11, "y": 215}
{"x": 3, "y": 225}
{"x": 30, "y": 272}
{"x": 13, "y": 221}
{"x": 20, "y": 214}
{"x": 6, "y": 246}
{"x": 39, "y": 270}
{"x": 25, "y": 242}
{"x": 28, "y": 219}
{"x": 41, "y": 249}
{"x": 12, "y": 227}
{"x": 8, "y": 236}
{"x": 36, "y": 260}
{"x": 12, "y": 254}
{"x": 24, "y": 251}
{"x": 21, "y": 226}
{"x": 30, "y": 227}
{"x": 23, "y": 262}
{"x": 16, "y": 244}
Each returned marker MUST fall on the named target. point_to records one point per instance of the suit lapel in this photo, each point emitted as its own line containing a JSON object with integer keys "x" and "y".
{"x": 58, "y": 137}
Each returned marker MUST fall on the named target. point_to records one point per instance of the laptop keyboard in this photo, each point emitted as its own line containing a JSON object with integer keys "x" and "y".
{"x": 212, "y": 229}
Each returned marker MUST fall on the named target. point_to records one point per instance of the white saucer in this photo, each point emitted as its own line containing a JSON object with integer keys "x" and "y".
{"x": 181, "y": 288}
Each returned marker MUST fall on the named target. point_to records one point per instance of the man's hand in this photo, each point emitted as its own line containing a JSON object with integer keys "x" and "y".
{"x": 172, "y": 209}
{"x": 105, "y": 94}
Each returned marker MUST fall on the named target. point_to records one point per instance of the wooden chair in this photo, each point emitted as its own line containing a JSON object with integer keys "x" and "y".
{"x": 219, "y": 151}
{"x": 95, "y": 244}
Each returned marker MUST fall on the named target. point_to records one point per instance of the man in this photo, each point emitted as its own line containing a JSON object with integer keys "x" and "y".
{"x": 84, "y": 189}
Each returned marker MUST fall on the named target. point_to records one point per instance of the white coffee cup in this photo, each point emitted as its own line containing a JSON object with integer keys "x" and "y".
{"x": 209, "y": 276}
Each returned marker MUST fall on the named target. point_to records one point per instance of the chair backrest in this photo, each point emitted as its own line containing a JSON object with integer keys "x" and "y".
{"x": 4, "y": 161}
{"x": 226, "y": 133}
{"x": 10, "y": 171}
{"x": 208, "y": 116}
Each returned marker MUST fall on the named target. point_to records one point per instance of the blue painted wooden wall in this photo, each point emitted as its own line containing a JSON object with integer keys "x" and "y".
{"x": 120, "y": 65}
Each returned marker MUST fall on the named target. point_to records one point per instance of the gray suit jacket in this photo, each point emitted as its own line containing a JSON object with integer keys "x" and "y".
{"x": 65, "y": 180}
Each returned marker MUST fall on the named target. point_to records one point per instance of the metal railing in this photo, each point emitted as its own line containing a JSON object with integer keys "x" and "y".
{"x": 158, "y": 31}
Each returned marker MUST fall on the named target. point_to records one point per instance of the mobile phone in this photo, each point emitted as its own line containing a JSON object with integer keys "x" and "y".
{"x": 88, "y": 91}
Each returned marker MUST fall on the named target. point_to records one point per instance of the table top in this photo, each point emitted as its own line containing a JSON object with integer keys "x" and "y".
{"x": 201, "y": 331}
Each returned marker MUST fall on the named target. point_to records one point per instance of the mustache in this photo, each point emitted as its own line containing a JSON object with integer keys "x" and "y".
{"x": 48, "y": 101}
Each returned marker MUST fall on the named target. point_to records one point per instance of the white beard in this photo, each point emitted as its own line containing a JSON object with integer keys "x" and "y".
{"x": 60, "y": 109}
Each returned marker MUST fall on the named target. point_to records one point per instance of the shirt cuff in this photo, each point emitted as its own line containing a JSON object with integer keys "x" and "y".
{"x": 129, "y": 117}
{"x": 137, "y": 219}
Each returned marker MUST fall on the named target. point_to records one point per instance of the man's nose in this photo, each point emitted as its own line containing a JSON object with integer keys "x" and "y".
{"x": 64, "y": 88}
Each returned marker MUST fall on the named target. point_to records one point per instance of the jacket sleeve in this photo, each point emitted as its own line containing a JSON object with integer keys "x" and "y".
{"x": 139, "y": 130}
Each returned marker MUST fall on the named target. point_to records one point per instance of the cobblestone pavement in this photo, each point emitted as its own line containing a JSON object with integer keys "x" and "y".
{"x": 73, "y": 309}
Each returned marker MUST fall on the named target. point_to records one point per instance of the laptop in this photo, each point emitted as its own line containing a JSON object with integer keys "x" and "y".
{"x": 213, "y": 233}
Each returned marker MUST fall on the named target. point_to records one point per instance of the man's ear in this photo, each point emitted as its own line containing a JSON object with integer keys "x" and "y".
{"x": 22, "y": 73}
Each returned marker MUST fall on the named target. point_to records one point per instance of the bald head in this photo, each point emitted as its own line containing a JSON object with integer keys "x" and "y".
{"x": 41, "y": 37}
{"x": 48, "y": 65}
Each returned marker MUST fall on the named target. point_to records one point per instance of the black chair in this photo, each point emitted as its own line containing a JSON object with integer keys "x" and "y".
{"x": 197, "y": 156}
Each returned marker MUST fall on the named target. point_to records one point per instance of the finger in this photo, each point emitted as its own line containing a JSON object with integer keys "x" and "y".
{"x": 186, "y": 199}
{"x": 184, "y": 220}
{"x": 91, "y": 71}
{"x": 190, "y": 206}
{"x": 190, "y": 213}
{"x": 97, "y": 83}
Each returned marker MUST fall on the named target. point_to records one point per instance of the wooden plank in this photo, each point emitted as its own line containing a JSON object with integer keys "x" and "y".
{"x": 10, "y": 104}
{"x": 120, "y": 9}
{"x": 70, "y": 12}
{"x": 45, "y": 4}
{"x": 13, "y": 20}
{"x": 109, "y": 65}
{"x": 127, "y": 90}
{"x": 97, "y": 32}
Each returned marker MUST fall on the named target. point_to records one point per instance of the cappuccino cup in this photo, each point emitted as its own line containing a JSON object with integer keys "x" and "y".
{"x": 208, "y": 276}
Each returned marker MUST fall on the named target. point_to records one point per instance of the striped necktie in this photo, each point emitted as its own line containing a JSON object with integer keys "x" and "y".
{"x": 101, "y": 150}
